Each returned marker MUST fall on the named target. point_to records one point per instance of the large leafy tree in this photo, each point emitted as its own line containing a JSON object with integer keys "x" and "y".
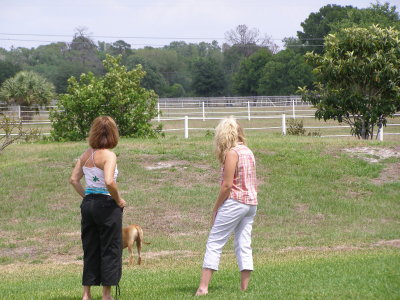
{"x": 242, "y": 42}
{"x": 59, "y": 61}
{"x": 331, "y": 18}
{"x": 120, "y": 47}
{"x": 266, "y": 74}
{"x": 27, "y": 88}
{"x": 249, "y": 40}
{"x": 358, "y": 78}
{"x": 283, "y": 74}
{"x": 208, "y": 78}
{"x": 194, "y": 50}
{"x": 167, "y": 61}
{"x": 319, "y": 24}
{"x": 379, "y": 14}
{"x": 83, "y": 50}
{"x": 246, "y": 80}
{"x": 153, "y": 79}
{"x": 117, "y": 94}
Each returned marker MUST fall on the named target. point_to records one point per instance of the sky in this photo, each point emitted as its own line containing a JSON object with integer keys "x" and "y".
{"x": 30, "y": 23}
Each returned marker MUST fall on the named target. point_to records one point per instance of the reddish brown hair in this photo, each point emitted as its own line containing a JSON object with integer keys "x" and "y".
{"x": 103, "y": 133}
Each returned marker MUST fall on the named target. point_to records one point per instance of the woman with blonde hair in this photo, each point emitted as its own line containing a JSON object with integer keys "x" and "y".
{"x": 236, "y": 204}
{"x": 101, "y": 209}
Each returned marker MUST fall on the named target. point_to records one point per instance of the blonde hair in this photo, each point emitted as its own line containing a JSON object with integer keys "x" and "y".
{"x": 228, "y": 134}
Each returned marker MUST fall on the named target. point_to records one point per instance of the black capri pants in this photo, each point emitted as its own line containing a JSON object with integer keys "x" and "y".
{"x": 101, "y": 234}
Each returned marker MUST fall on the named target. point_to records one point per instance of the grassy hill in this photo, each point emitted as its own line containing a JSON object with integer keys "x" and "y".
{"x": 327, "y": 226}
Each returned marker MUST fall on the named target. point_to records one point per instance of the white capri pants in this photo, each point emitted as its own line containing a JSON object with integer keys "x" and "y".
{"x": 237, "y": 217}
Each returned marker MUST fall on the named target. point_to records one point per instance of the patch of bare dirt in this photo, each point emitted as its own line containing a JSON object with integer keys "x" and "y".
{"x": 59, "y": 206}
{"x": 184, "y": 173}
{"x": 393, "y": 243}
{"x": 177, "y": 253}
{"x": 373, "y": 154}
{"x": 357, "y": 194}
{"x": 19, "y": 252}
{"x": 200, "y": 232}
{"x": 390, "y": 243}
{"x": 303, "y": 209}
{"x": 391, "y": 173}
{"x": 73, "y": 234}
{"x": 166, "y": 165}
{"x": 334, "y": 248}
{"x": 74, "y": 255}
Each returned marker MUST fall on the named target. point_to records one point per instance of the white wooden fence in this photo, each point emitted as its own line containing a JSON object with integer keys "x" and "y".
{"x": 283, "y": 127}
{"x": 188, "y": 109}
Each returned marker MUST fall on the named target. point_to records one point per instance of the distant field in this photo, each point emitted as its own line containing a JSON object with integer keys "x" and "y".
{"x": 328, "y": 222}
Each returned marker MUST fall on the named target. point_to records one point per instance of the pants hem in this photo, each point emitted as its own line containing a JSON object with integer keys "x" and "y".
{"x": 211, "y": 268}
{"x": 246, "y": 269}
{"x": 90, "y": 284}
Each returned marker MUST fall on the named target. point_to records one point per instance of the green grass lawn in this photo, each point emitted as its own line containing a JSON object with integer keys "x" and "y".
{"x": 327, "y": 227}
{"x": 368, "y": 274}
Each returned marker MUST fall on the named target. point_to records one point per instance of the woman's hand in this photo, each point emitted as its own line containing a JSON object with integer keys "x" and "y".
{"x": 121, "y": 203}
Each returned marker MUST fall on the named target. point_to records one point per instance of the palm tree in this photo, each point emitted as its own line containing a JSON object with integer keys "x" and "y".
{"x": 27, "y": 88}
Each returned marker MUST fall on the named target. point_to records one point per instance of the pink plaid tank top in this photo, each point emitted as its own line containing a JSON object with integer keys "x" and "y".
{"x": 244, "y": 188}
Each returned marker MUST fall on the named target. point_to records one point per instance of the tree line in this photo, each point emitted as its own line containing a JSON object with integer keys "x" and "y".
{"x": 247, "y": 64}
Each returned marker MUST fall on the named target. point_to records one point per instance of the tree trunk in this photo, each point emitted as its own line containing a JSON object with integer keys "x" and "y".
{"x": 363, "y": 132}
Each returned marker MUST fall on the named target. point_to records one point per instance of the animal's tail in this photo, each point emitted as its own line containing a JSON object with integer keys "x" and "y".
{"x": 140, "y": 230}
{"x": 141, "y": 237}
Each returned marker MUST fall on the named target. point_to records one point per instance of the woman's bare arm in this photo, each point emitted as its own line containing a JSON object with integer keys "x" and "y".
{"x": 75, "y": 179}
{"x": 230, "y": 163}
{"x": 110, "y": 162}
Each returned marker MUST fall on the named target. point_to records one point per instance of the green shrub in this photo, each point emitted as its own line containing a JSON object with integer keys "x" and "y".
{"x": 117, "y": 94}
{"x": 295, "y": 127}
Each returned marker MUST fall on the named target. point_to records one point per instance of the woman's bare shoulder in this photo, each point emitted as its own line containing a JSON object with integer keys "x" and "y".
{"x": 85, "y": 155}
{"x": 106, "y": 154}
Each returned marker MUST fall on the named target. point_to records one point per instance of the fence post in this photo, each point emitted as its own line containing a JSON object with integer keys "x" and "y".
{"x": 283, "y": 124}
{"x": 380, "y": 134}
{"x": 248, "y": 110}
{"x": 19, "y": 112}
{"x": 186, "y": 127}
{"x": 158, "y": 112}
{"x": 294, "y": 114}
{"x": 204, "y": 115}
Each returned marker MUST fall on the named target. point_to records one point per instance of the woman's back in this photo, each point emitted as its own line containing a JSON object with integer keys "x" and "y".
{"x": 244, "y": 188}
{"x": 93, "y": 162}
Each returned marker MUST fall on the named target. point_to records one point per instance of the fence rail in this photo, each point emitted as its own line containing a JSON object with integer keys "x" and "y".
{"x": 274, "y": 101}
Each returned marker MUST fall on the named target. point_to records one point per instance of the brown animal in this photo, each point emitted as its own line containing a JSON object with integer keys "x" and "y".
{"x": 130, "y": 235}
